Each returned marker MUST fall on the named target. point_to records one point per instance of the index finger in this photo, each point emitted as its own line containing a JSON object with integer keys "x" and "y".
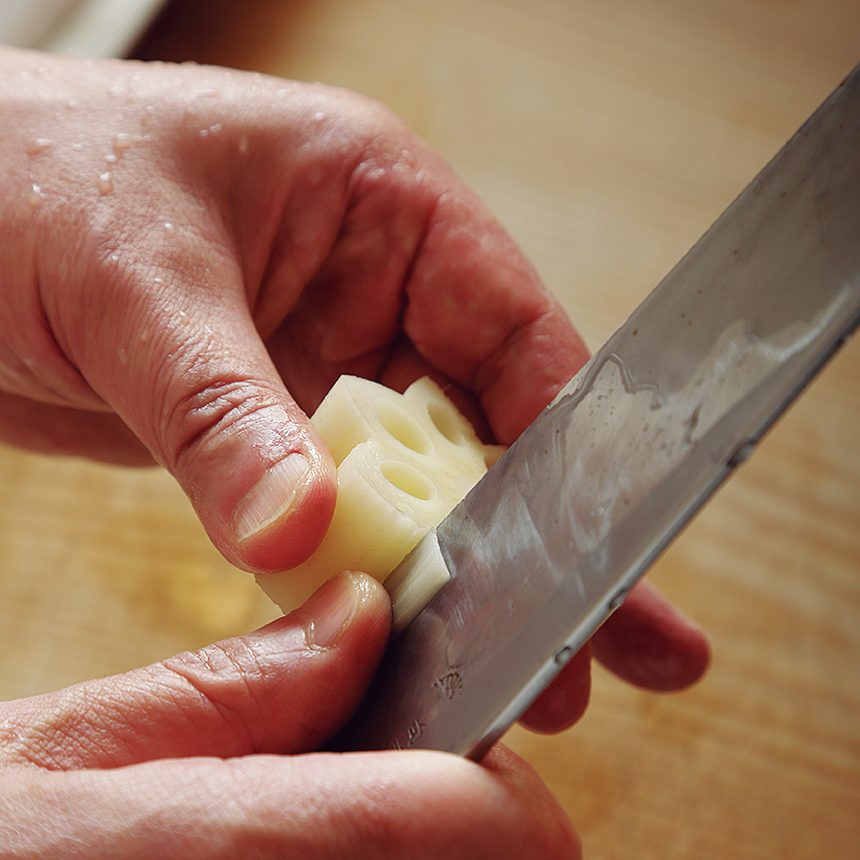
{"x": 478, "y": 312}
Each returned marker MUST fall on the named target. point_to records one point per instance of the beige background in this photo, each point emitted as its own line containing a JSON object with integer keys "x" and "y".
{"x": 607, "y": 136}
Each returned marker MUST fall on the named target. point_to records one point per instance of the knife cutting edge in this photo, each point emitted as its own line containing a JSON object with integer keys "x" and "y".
{"x": 548, "y": 543}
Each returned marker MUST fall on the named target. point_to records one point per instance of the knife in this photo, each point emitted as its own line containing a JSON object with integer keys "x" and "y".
{"x": 549, "y": 542}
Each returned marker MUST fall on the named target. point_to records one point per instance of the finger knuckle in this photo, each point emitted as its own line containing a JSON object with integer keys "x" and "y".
{"x": 197, "y": 417}
{"x": 225, "y": 676}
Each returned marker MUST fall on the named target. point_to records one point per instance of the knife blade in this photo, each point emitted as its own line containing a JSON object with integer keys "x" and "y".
{"x": 549, "y": 542}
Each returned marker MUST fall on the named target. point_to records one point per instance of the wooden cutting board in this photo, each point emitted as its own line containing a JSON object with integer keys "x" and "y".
{"x": 607, "y": 136}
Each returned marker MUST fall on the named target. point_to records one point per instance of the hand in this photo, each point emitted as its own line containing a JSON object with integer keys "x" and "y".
{"x": 191, "y": 257}
{"x": 209, "y": 754}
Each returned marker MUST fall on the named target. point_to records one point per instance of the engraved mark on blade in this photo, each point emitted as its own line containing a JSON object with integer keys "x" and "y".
{"x": 450, "y": 684}
{"x": 413, "y": 733}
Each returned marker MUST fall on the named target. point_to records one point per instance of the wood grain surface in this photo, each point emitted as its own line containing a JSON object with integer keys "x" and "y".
{"x": 607, "y": 136}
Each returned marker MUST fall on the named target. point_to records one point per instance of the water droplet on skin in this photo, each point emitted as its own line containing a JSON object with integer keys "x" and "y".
{"x": 114, "y": 258}
{"x": 243, "y": 144}
{"x": 168, "y": 225}
{"x": 377, "y": 174}
{"x": 213, "y": 129}
{"x": 206, "y": 93}
{"x": 110, "y": 158}
{"x": 122, "y": 140}
{"x": 143, "y": 337}
{"x": 158, "y": 281}
{"x": 122, "y": 352}
{"x": 319, "y": 116}
{"x": 40, "y": 144}
{"x": 36, "y": 194}
{"x": 77, "y": 147}
{"x": 104, "y": 183}
{"x": 72, "y": 104}
{"x": 150, "y": 108}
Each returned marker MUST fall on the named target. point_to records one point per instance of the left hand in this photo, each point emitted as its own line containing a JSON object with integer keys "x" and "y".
{"x": 210, "y": 754}
{"x": 190, "y": 257}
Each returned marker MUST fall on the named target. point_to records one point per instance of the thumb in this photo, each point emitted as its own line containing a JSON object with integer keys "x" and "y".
{"x": 286, "y": 688}
{"x": 196, "y": 384}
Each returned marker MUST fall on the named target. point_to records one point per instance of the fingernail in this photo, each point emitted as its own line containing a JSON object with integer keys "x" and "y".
{"x": 331, "y": 608}
{"x": 271, "y": 497}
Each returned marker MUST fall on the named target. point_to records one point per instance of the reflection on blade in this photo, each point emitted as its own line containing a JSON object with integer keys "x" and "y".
{"x": 548, "y": 543}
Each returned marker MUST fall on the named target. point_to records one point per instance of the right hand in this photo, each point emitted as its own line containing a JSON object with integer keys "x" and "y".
{"x": 210, "y": 754}
{"x": 257, "y": 239}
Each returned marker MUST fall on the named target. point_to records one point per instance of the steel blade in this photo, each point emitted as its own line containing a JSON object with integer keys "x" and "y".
{"x": 549, "y": 542}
